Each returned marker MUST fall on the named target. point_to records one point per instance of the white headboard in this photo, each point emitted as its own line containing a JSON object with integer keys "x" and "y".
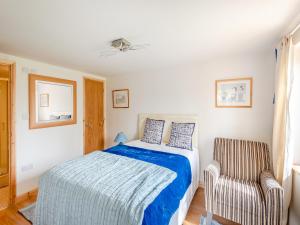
{"x": 169, "y": 118}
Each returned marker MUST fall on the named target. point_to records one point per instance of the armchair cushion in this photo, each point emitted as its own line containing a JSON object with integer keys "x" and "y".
{"x": 236, "y": 198}
{"x": 238, "y": 193}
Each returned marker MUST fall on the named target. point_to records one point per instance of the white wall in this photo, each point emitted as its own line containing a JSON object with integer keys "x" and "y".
{"x": 294, "y": 213}
{"x": 182, "y": 90}
{"x": 295, "y": 106}
{"x": 41, "y": 149}
{"x": 190, "y": 89}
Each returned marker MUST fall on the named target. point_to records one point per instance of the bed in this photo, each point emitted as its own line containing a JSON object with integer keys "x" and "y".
{"x": 74, "y": 192}
{"x": 193, "y": 156}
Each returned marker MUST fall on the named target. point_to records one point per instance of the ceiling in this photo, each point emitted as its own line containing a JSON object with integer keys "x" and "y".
{"x": 73, "y": 33}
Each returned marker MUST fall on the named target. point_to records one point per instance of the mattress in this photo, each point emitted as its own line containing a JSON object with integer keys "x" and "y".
{"x": 193, "y": 157}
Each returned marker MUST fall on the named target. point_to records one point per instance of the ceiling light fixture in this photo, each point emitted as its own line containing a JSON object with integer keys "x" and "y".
{"x": 121, "y": 45}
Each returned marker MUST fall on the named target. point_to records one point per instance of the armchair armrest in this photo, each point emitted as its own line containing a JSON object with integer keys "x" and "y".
{"x": 273, "y": 194}
{"x": 211, "y": 176}
{"x": 213, "y": 170}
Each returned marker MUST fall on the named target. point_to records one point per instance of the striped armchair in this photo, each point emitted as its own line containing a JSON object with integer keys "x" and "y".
{"x": 239, "y": 184}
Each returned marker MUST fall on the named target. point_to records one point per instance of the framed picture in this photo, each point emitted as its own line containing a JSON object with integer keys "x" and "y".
{"x": 44, "y": 100}
{"x": 234, "y": 93}
{"x": 120, "y": 98}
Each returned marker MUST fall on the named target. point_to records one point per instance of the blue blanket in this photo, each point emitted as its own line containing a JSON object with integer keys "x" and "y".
{"x": 167, "y": 202}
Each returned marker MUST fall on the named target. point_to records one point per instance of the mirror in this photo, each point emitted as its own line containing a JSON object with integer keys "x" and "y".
{"x": 52, "y": 101}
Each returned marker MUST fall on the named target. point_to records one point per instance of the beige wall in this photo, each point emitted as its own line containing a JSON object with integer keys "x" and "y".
{"x": 190, "y": 89}
{"x": 294, "y": 217}
{"x": 38, "y": 150}
{"x": 182, "y": 89}
{"x": 294, "y": 213}
{"x": 295, "y": 106}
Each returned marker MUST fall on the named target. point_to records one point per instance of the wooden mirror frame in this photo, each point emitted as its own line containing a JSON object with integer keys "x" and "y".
{"x": 32, "y": 101}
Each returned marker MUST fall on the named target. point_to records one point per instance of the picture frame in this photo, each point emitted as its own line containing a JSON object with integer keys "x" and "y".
{"x": 61, "y": 111}
{"x": 44, "y": 100}
{"x": 120, "y": 98}
{"x": 234, "y": 93}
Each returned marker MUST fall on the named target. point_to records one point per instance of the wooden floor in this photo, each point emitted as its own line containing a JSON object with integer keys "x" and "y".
{"x": 12, "y": 217}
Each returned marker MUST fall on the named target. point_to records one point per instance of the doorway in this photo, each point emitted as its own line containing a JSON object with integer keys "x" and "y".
{"x": 7, "y": 157}
{"x": 93, "y": 115}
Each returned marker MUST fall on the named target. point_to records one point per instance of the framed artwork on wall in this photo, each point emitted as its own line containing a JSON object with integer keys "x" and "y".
{"x": 120, "y": 98}
{"x": 233, "y": 93}
{"x": 44, "y": 100}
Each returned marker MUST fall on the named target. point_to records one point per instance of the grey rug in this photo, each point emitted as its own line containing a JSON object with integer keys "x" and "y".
{"x": 28, "y": 212}
{"x": 203, "y": 221}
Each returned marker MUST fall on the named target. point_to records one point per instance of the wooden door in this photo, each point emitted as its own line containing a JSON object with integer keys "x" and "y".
{"x": 4, "y": 135}
{"x": 3, "y": 129}
{"x": 93, "y": 115}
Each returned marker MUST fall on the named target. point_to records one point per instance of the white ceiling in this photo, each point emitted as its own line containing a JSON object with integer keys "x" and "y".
{"x": 72, "y": 33}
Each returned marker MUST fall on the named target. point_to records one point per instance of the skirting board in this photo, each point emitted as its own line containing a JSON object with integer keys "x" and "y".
{"x": 26, "y": 196}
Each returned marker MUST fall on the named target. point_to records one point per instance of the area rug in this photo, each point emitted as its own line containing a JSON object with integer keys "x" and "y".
{"x": 28, "y": 212}
{"x": 203, "y": 221}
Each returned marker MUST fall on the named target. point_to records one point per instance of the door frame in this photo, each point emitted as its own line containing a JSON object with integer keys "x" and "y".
{"x": 104, "y": 109}
{"x": 12, "y": 131}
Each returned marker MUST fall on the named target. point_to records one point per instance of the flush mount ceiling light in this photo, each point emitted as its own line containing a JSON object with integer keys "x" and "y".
{"x": 121, "y": 45}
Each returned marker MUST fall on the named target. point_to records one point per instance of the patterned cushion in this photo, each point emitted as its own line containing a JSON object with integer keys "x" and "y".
{"x": 240, "y": 201}
{"x": 153, "y": 131}
{"x": 181, "y": 135}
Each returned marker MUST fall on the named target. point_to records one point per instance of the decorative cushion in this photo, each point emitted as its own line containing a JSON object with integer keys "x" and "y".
{"x": 181, "y": 135}
{"x": 153, "y": 131}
